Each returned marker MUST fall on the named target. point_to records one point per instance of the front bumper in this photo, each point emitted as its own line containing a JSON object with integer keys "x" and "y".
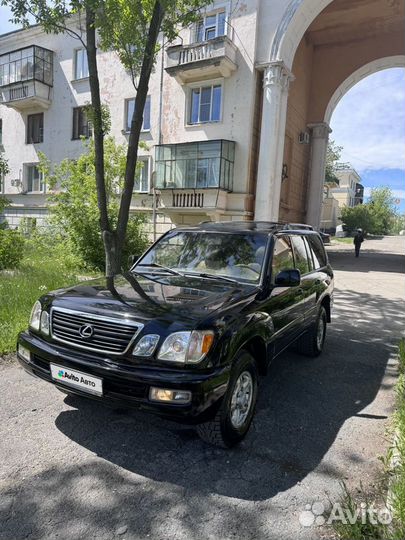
{"x": 126, "y": 385}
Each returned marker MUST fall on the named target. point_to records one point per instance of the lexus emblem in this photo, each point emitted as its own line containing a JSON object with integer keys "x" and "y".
{"x": 86, "y": 331}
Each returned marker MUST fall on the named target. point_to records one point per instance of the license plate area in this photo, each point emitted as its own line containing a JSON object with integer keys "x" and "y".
{"x": 77, "y": 379}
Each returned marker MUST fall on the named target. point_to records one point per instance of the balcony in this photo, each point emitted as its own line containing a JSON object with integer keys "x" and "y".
{"x": 26, "y": 78}
{"x": 206, "y": 60}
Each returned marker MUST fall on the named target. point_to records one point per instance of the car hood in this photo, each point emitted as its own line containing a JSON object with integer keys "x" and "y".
{"x": 174, "y": 298}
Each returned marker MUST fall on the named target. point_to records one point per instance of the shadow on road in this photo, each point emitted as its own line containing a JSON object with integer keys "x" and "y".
{"x": 303, "y": 404}
{"x": 369, "y": 261}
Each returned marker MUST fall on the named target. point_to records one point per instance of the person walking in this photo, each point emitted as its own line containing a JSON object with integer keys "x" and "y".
{"x": 357, "y": 241}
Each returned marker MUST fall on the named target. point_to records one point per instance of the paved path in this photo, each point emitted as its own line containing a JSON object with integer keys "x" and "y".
{"x": 91, "y": 472}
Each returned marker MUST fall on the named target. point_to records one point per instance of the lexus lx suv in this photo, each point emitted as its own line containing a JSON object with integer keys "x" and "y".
{"x": 187, "y": 332}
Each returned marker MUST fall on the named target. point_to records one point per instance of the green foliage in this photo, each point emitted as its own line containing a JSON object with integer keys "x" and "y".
{"x": 333, "y": 154}
{"x": 11, "y": 249}
{"x": 46, "y": 266}
{"x": 359, "y": 216}
{"x": 124, "y": 24}
{"x": 383, "y": 209}
{"x": 377, "y": 216}
{"x": 74, "y": 208}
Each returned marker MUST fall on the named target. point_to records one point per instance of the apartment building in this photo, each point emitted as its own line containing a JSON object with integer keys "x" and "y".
{"x": 237, "y": 119}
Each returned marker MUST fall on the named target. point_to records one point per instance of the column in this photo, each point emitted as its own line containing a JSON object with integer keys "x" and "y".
{"x": 319, "y": 145}
{"x": 274, "y": 113}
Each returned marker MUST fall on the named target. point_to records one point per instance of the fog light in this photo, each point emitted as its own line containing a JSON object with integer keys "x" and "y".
{"x": 171, "y": 396}
{"x": 24, "y": 352}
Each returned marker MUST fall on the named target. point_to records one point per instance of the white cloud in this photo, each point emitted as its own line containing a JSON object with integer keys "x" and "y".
{"x": 369, "y": 122}
{"x": 396, "y": 193}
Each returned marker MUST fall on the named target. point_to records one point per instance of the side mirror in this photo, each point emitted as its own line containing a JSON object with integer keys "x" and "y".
{"x": 288, "y": 278}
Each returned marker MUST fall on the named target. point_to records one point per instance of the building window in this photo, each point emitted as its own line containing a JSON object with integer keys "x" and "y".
{"x": 207, "y": 164}
{"x": 142, "y": 176}
{"x": 35, "y": 128}
{"x": 26, "y": 64}
{"x": 81, "y": 65}
{"x": 81, "y": 126}
{"x": 205, "y": 104}
{"x": 34, "y": 179}
{"x": 129, "y": 112}
{"x": 210, "y": 26}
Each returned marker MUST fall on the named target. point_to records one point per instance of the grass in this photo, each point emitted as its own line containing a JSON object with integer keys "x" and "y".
{"x": 394, "y": 478}
{"x": 41, "y": 270}
{"x": 345, "y": 240}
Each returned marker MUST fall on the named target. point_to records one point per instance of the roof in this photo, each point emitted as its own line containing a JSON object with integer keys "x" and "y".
{"x": 247, "y": 226}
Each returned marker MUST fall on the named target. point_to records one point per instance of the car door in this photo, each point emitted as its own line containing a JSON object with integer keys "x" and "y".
{"x": 305, "y": 265}
{"x": 283, "y": 303}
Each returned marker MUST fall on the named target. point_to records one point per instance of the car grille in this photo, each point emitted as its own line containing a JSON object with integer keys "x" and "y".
{"x": 106, "y": 335}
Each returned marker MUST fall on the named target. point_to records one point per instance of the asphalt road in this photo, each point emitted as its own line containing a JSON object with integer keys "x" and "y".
{"x": 72, "y": 469}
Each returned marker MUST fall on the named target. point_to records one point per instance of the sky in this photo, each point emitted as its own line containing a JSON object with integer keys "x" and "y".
{"x": 369, "y": 122}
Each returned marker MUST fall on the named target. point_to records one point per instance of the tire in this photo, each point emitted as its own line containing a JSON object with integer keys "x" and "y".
{"x": 312, "y": 342}
{"x": 233, "y": 419}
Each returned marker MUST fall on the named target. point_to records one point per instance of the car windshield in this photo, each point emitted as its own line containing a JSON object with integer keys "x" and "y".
{"x": 236, "y": 256}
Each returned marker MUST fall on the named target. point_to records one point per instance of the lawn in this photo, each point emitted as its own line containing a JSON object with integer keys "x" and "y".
{"x": 346, "y": 240}
{"x": 40, "y": 271}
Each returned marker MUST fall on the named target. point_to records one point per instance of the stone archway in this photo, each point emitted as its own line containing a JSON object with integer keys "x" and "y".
{"x": 325, "y": 47}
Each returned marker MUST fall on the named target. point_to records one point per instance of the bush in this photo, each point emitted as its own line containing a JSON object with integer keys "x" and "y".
{"x": 74, "y": 209}
{"x": 11, "y": 249}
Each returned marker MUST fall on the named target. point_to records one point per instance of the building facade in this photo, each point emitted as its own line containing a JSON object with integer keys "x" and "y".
{"x": 347, "y": 191}
{"x": 237, "y": 119}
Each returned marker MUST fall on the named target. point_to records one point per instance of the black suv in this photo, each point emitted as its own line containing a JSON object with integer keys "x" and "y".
{"x": 187, "y": 331}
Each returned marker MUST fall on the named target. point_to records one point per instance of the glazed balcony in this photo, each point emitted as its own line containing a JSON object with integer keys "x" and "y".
{"x": 199, "y": 61}
{"x": 26, "y": 78}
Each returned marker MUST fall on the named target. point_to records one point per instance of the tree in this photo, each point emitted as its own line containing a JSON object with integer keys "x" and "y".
{"x": 333, "y": 154}
{"x": 377, "y": 216}
{"x": 4, "y": 202}
{"x": 74, "y": 208}
{"x": 383, "y": 209}
{"x": 130, "y": 28}
{"x": 359, "y": 216}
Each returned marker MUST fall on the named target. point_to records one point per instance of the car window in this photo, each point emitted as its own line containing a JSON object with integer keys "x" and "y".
{"x": 300, "y": 254}
{"x": 239, "y": 256}
{"x": 282, "y": 256}
{"x": 309, "y": 254}
{"x": 318, "y": 251}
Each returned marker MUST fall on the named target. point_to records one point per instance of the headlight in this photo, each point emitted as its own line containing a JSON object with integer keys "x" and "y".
{"x": 186, "y": 347}
{"x": 35, "y": 319}
{"x": 147, "y": 345}
{"x": 45, "y": 323}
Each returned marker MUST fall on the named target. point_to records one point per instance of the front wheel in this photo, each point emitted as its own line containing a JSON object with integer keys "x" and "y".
{"x": 312, "y": 342}
{"x": 234, "y": 417}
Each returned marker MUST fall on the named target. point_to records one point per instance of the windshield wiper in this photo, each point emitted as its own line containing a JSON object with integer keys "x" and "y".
{"x": 211, "y": 276}
{"x": 161, "y": 267}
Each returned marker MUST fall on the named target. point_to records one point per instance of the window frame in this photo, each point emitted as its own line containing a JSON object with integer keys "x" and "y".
{"x": 223, "y": 8}
{"x": 127, "y": 127}
{"x": 26, "y": 168}
{"x": 317, "y": 239}
{"x": 189, "y": 105}
{"x": 1, "y": 131}
{"x": 147, "y": 166}
{"x": 30, "y": 119}
{"x": 306, "y": 253}
{"x": 75, "y": 64}
{"x": 89, "y": 134}
{"x": 277, "y": 238}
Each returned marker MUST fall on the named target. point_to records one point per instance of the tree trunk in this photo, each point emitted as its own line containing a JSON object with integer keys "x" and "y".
{"x": 109, "y": 238}
{"x": 136, "y": 124}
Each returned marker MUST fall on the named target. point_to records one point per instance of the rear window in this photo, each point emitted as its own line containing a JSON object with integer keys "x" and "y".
{"x": 318, "y": 251}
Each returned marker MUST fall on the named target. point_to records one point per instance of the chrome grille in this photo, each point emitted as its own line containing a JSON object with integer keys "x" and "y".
{"x": 113, "y": 336}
